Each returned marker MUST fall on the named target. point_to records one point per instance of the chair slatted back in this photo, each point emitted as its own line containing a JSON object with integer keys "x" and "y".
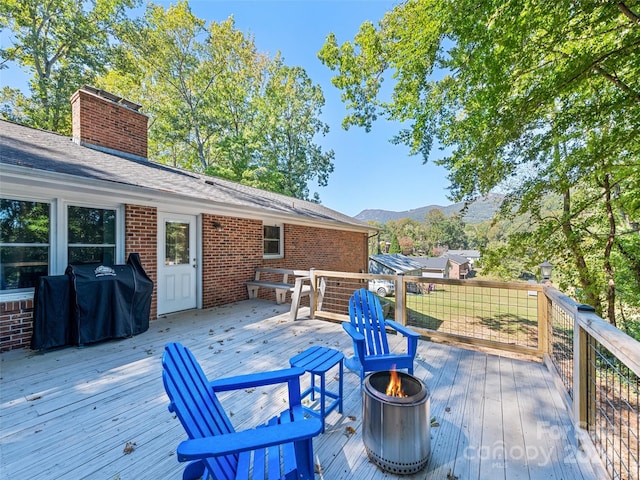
{"x": 366, "y": 316}
{"x": 195, "y": 403}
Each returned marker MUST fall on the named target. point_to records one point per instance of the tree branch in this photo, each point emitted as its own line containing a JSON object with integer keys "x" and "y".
{"x": 617, "y": 82}
{"x": 628, "y": 13}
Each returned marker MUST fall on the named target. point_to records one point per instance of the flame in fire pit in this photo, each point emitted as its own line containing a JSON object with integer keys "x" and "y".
{"x": 394, "y": 389}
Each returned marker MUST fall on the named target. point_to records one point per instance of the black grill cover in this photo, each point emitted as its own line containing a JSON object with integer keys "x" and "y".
{"x": 91, "y": 303}
{"x": 52, "y": 313}
{"x": 141, "y": 308}
{"x": 110, "y": 301}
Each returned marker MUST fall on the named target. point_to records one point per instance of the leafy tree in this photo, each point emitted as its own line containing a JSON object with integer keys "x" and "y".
{"x": 478, "y": 234}
{"x": 395, "y": 245}
{"x": 219, "y": 106}
{"x": 167, "y": 66}
{"x": 406, "y": 245}
{"x": 410, "y": 234}
{"x": 63, "y": 44}
{"x": 499, "y": 260}
{"x": 540, "y": 99}
{"x": 288, "y": 120}
{"x": 444, "y": 231}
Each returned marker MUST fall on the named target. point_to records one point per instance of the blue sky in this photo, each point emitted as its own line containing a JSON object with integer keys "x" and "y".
{"x": 369, "y": 172}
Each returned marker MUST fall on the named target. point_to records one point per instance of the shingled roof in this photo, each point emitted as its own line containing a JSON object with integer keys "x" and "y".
{"x": 32, "y": 152}
{"x": 393, "y": 261}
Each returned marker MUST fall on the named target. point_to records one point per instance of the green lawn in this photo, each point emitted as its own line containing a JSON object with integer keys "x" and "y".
{"x": 495, "y": 314}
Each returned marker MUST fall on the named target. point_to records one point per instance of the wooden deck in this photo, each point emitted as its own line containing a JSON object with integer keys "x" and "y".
{"x": 100, "y": 412}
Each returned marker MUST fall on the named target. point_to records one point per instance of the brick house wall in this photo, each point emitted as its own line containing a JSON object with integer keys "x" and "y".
{"x": 459, "y": 271}
{"x": 232, "y": 249}
{"x": 16, "y": 324}
{"x": 229, "y": 258}
{"x": 141, "y": 236}
{"x": 324, "y": 249}
{"x": 231, "y": 255}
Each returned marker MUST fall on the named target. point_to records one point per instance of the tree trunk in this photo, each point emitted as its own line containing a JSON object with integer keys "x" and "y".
{"x": 611, "y": 289}
{"x": 573, "y": 243}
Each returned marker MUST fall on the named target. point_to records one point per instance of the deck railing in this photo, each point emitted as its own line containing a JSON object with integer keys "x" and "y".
{"x": 597, "y": 366}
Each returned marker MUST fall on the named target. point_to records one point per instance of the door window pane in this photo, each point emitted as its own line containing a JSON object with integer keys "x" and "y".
{"x": 91, "y": 235}
{"x": 176, "y": 243}
{"x": 24, "y": 243}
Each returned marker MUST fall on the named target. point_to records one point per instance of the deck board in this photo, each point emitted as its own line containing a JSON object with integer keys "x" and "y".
{"x": 70, "y": 413}
{"x": 491, "y": 451}
{"x": 516, "y": 466}
{"x": 467, "y": 464}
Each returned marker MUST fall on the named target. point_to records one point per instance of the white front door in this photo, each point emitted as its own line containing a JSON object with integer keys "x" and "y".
{"x": 177, "y": 262}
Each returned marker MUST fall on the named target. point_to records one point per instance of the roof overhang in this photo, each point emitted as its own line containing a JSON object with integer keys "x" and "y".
{"x": 18, "y": 180}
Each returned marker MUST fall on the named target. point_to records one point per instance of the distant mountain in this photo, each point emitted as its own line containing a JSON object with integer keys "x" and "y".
{"x": 479, "y": 211}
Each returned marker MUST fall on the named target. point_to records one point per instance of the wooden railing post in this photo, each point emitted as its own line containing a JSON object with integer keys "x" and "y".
{"x": 580, "y": 379}
{"x": 544, "y": 327}
{"x": 581, "y": 372}
{"x": 313, "y": 297}
{"x": 400, "y": 300}
{"x": 321, "y": 287}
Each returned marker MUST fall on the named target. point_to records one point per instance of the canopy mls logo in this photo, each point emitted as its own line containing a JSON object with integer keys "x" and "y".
{"x": 103, "y": 271}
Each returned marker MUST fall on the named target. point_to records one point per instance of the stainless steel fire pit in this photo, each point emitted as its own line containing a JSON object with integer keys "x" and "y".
{"x": 396, "y": 430}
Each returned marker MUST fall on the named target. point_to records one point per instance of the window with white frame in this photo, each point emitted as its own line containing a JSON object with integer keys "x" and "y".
{"x": 25, "y": 228}
{"x": 34, "y": 242}
{"x": 91, "y": 235}
{"x": 273, "y": 244}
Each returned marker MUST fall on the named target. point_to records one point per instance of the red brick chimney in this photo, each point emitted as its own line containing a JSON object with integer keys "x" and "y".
{"x": 108, "y": 123}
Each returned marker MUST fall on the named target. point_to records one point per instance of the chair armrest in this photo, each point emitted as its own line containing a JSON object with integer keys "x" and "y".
{"x": 407, "y": 332}
{"x": 256, "y": 379}
{"x": 248, "y": 439}
{"x": 353, "y": 333}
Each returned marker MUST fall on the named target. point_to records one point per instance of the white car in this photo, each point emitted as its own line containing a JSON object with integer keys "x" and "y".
{"x": 382, "y": 287}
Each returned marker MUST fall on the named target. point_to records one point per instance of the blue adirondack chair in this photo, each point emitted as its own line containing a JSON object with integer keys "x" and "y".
{"x": 282, "y": 448}
{"x": 367, "y": 329}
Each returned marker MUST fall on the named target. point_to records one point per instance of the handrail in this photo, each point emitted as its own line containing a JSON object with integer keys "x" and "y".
{"x": 625, "y": 348}
{"x": 477, "y": 283}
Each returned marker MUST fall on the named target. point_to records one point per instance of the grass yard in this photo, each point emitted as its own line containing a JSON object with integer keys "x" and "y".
{"x": 493, "y": 314}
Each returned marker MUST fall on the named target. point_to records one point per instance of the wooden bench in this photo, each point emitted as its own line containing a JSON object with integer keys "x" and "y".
{"x": 283, "y": 280}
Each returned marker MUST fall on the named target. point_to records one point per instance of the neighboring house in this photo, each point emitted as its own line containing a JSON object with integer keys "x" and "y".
{"x": 434, "y": 267}
{"x": 459, "y": 265}
{"x": 96, "y": 198}
{"x": 472, "y": 255}
{"x": 394, "y": 264}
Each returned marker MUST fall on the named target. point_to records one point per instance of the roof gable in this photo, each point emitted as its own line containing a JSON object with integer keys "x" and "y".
{"x": 466, "y": 253}
{"x": 433, "y": 263}
{"x": 459, "y": 259}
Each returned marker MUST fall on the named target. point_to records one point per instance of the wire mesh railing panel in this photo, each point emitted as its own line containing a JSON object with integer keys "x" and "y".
{"x": 562, "y": 345}
{"x": 604, "y": 390}
{"x": 500, "y": 315}
{"x": 335, "y": 293}
{"x": 613, "y": 419}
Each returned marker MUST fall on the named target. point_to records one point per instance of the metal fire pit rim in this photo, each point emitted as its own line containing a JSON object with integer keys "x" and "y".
{"x": 414, "y": 399}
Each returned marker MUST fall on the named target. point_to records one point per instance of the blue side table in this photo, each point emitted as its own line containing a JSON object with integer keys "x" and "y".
{"x": 317, "y": 361}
